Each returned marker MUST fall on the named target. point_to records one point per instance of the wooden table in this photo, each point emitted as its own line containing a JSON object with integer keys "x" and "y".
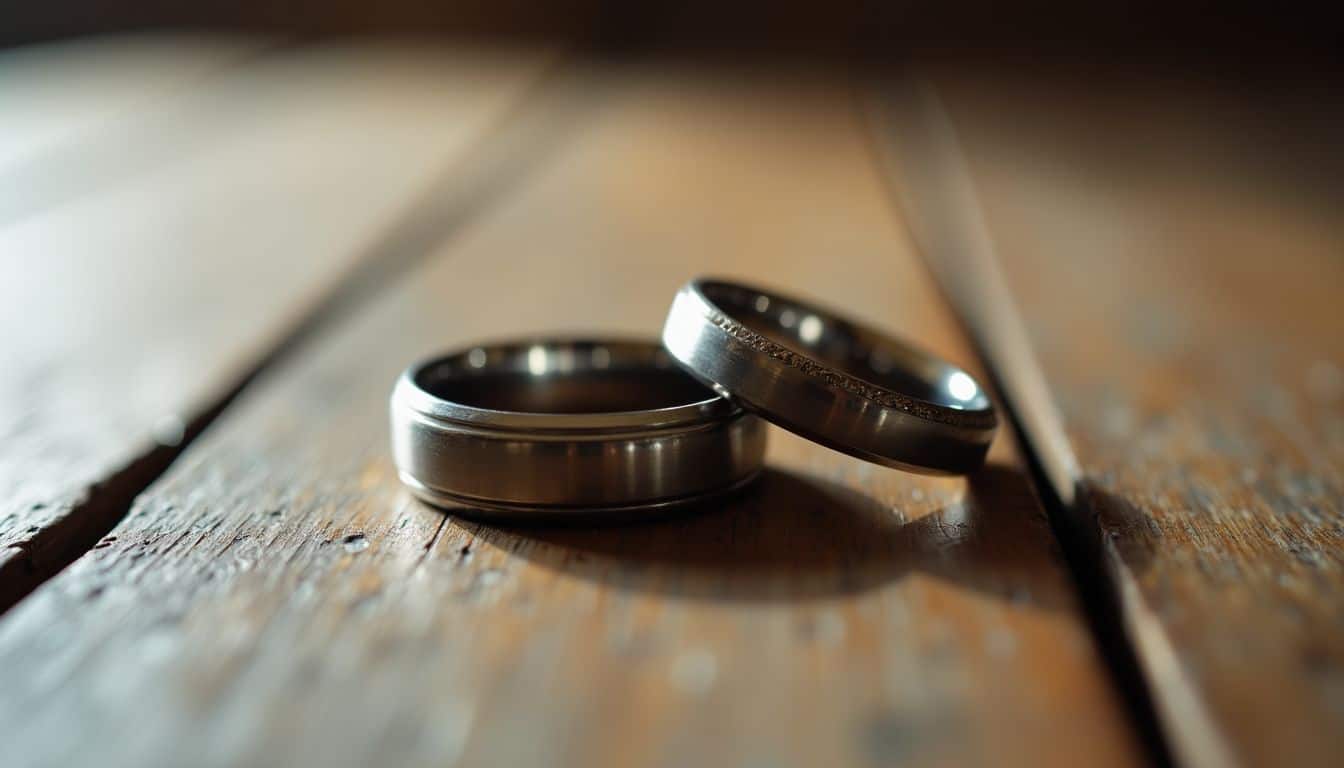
{"x": 216, "y": 255}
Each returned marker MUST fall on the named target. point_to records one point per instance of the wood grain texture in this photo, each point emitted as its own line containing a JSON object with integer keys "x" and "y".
{"x": 127, "y": 314}
{"x": 277, "y": 598}
{"x": 1176, "y": 255}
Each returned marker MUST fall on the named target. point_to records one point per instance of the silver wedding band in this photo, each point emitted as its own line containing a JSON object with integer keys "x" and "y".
{"x": 829, "y": 379}
{"x": 559, "y": 428}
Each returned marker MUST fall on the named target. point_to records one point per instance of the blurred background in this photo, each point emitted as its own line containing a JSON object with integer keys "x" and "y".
{"x": 1286, "y": 35}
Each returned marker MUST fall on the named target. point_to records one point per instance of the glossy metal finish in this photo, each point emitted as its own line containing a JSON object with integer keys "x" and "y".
{"x": 831, "y": 380}
{"x": 560, "y": 429}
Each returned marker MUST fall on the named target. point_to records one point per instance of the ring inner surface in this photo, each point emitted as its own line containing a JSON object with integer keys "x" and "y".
{"x": 846, "y": 347}
{"x": 560, "y": 381}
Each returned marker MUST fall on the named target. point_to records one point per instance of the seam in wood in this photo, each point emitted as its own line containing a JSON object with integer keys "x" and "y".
{"x": 509, "y": 148}
{"x": 911, "y": 121}
{"x": 102, "y": 506}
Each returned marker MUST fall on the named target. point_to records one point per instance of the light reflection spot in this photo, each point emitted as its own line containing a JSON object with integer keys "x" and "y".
{"x": 962, "y": 386}
{"x": 536, "y": 360}
{"x": 810, "y": 329}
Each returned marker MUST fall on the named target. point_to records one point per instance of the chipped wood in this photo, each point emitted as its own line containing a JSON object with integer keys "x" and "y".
{"x": 126, "y": 316}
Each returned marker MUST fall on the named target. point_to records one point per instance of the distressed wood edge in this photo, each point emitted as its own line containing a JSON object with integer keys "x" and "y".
{"x": 920, "y": 158}
{"x": 1198, "y": 741}
{"x": 509, "y": 147}
{"x": 97, "y": 510}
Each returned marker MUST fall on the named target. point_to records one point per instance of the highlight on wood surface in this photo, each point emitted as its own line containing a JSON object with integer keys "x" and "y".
{"x": 128, "y": 314}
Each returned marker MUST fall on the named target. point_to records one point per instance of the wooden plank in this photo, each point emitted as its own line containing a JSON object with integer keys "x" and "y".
{"x": 1175, "y": 254}
{"x": 278, "y": 598}
{"x": 63, "y": 93}
{"x": 126, "y": 315}
{"x": 83, "y": 116}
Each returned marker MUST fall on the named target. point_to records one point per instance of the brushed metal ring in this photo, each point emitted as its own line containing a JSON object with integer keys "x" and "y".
{"x": 567, "y": 428}
{"x": 830, "y": 379}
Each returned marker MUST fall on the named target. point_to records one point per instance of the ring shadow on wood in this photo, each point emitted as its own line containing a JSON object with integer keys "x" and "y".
{"x": 790, "y": 536}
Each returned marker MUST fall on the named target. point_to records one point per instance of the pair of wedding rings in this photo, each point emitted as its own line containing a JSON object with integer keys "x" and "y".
{"x": 557, "y": 429}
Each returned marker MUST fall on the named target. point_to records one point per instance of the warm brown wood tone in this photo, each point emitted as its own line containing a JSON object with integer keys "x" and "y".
{"x": 125, "y": 315}
{"x": 1177, "y": 260}
{"x": 277, "y": 598}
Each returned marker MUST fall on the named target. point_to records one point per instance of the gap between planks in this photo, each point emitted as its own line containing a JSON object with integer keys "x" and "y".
{"x": 1174, "y": 249}
{"x": 506, "y": 150}
{"x": 926, "y": 170}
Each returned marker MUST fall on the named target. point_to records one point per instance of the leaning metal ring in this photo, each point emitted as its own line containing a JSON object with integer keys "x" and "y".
{"x": 829, "y": 379}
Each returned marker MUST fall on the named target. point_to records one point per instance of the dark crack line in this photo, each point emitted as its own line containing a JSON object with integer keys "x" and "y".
{"x": 921, "y": 163}
{"x": 506, "y": 152}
